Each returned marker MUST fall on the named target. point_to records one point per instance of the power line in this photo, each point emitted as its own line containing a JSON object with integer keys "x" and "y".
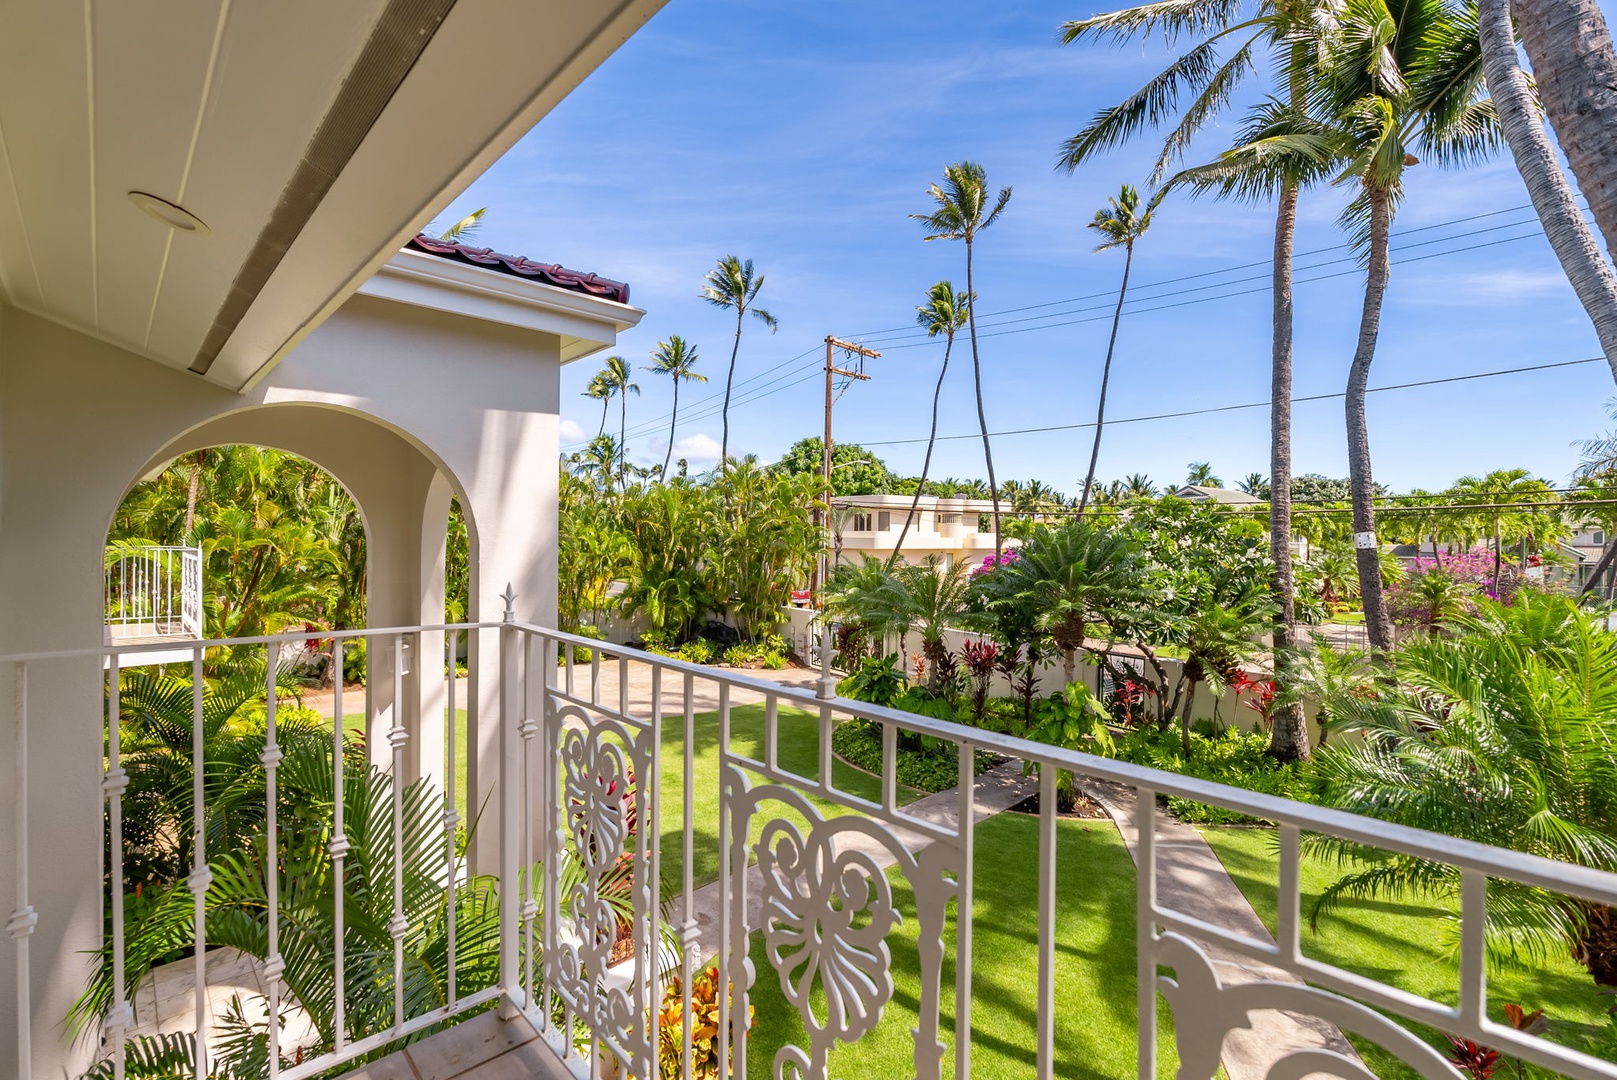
{"x": 1231, "y": 269}
{"x": 1246, "y": 405}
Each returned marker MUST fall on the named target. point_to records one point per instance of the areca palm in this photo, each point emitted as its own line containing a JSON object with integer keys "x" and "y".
{"x": 1121, "y": 223}
{"x": 1492, "y": 496}
{"x": 962, "y": 211}
{"x": 619, "y": 374}
{"x": 1401, "y": 75}
{"x": 944, "y": 312}
{"x": 734, "y": 285}
{"x": 1499, "y": 734}
{"x": 675, "y": 358}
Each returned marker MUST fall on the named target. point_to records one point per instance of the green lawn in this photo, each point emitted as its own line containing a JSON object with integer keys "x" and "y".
{"x": 1404, "y": 945}
{"x": 798, "y": 751}
{"x": 1095, "y": 983}
{"x": 355, "y": 724}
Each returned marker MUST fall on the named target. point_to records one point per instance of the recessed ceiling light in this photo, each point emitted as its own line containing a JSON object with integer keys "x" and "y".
{"x": 175, "y": 217}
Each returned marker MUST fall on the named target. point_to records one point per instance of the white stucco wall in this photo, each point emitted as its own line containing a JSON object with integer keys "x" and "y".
{"x": 403, "y": 404}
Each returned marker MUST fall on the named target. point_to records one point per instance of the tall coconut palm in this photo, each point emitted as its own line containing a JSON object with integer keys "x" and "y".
{"x": 944, "y": 312}
{"x": 734, "y": 285}
{"x": 1282, "y": 150}
{"x": 1120, "y": 224}
{"x": 1200, "y": 474}
{"x": 675, "y": 358}
{"x": 619, "y": 374}
{"x": 1139, "y": 486}
{"x": 1569, "y": 45}
{"x": 963, "y": 211}
{"x": 601, "y": 390}
{"x": 1402, "y": 75}
{"x": 1513, "y": 96}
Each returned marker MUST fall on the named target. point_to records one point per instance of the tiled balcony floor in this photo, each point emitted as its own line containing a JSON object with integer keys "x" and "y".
{"x": 483, "y": 1048}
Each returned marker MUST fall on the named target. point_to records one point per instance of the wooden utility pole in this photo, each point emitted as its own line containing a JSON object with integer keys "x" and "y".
{"x": 827, "y": 688}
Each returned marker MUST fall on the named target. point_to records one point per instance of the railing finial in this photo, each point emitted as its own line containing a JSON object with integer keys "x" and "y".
{"x": 509, "y": 596}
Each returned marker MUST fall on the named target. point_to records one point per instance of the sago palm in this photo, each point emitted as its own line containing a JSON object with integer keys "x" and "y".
{"x": 734, "y": 285}
{"x": 1120, "y": 224}
{"x": 964, "y": 207}
{"x": 944, "y": 312}
{"x": 675, "y": 358}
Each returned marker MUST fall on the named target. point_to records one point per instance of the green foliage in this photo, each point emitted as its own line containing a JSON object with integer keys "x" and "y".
{"x": 854, "y": 470}
{"x": 1073, "y": 719}
{"x": 1228, "y": 757}
{"x": 772, "y": 648}
{"x": 697, "y": 651}
{"x": 931, "y": 766}
{"x": 878, "y": 681}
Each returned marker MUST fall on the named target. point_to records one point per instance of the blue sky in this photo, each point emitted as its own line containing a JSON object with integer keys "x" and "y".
{"x": 802, "y": 135}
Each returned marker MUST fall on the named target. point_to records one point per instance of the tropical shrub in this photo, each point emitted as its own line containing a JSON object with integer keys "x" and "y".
{"x": 1502, "y": 734}
{"x": 1226, "y": 757}
{"x": 1073, "y": 719}
{"x": 930, "y": 765}
{"x": 705, "y": 988}
{"x": 878, "y": 681}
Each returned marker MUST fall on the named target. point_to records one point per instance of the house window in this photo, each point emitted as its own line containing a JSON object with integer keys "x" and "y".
{"x": 1599, "y": 538}
{"x": 884, "y": 521}
{"x": 861, "y": 523}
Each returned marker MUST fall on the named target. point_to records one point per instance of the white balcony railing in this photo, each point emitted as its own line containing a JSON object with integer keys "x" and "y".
{"x": 592, "y": 756}
{"x": 153, "y": 592}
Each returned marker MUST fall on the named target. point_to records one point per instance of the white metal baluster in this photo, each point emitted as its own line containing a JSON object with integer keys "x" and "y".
{"x": 963, "y": 914}
{"x": 271, "y": 758}
{"x": 771, "y": 731}
{"x": 201, "y": 877}
{"x": 1473, "y": 950}
{"x": 339, "y": 847}
{"x": 727, "y": 879}
{"x": 23, "y": 918}
{"x": 827, "y": 722}
{"x": 688, "y": 931}
{"x": 1048, "y": 775}
{"x": 451, "y": 814}
{"x": 889, "y": 766}
{"x": 551, "y": 822}
{"x": 623, "y": 684}
{"x": 510, "y": 807}
{"x": 397, "y": 736}
{"x": 1145, "y": 931}
{"x": 650, "y": 795}
{"x": 595, "y": 676}
{"x": 530, "y": 906}
{"x": 1290, "y": 897}
{"x": 113, "y": 784}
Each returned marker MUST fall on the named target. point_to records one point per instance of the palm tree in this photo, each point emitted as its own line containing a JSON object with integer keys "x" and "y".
{"x": 1066, "y": 580}
{"x": 1254, "y": 484}
{"x": 1518, "y": 105}
{"x": 930, "y": 598}
{"x": 1139, "y": 486}
{"x": 944, "y": 312}
{"x": 1492, "y": 496}
{"x": 1200, "y": 474}
{"x": 733, "y": 284}
{"x": 961, "y": 213}
{"x": 464, "y": 229}
{"x": 1499, "y": 734}
{"x": 1401, "y": 75}
{"x": 1575, "y": 69}
{"x": 601, "y": 390}
{"x": 1217, "y": 640}
{"x": 676, "y": 359}
{"x": 1120, "y": 224}
{"x": 618, "y": 373}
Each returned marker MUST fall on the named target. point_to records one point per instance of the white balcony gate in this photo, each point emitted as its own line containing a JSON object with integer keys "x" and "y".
{"x": 585, "y": 769}
{"x": 153, "y": 591}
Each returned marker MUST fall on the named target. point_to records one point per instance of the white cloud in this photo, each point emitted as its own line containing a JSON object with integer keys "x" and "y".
{"x": 696, "y": 449}
{"x": 570, "y": 432}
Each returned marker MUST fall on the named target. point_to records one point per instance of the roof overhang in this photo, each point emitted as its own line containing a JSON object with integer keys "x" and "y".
{"x": 311, "y": 138}
{"x": 585, "y": 324}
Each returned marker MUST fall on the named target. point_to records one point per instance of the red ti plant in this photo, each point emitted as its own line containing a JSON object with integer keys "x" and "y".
{"x": 1473, "y": 1060}
{"x": 1528, "y": 1023}
{"x": 1261, "y": 696}
{"x": 981, "y": 658}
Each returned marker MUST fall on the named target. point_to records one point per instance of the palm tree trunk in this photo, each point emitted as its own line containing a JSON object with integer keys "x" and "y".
{"x": 729, "y": 378}
{"x": 1288, "y": 738}
{"x": 606, "y": 403}
{"x": 623, "y": 435}
{"x": 1105, "y": 377}
{"x": 1569, "y": 46}
{"x": 1498, "y": 555}
{"x": 1569, "y": 235}
{"x": 191, "y": 494}
{"x": 977, "y": 378}
{"x": 1184, "y": 718}
{"x": 931, "y": 439}
{"x": 1437, "y": 553}
{"x": 673, "y": 425}
{"x": 1366, "y": 547}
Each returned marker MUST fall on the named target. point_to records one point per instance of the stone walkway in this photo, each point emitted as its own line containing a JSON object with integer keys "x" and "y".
{"x": 1192, "y": 881}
